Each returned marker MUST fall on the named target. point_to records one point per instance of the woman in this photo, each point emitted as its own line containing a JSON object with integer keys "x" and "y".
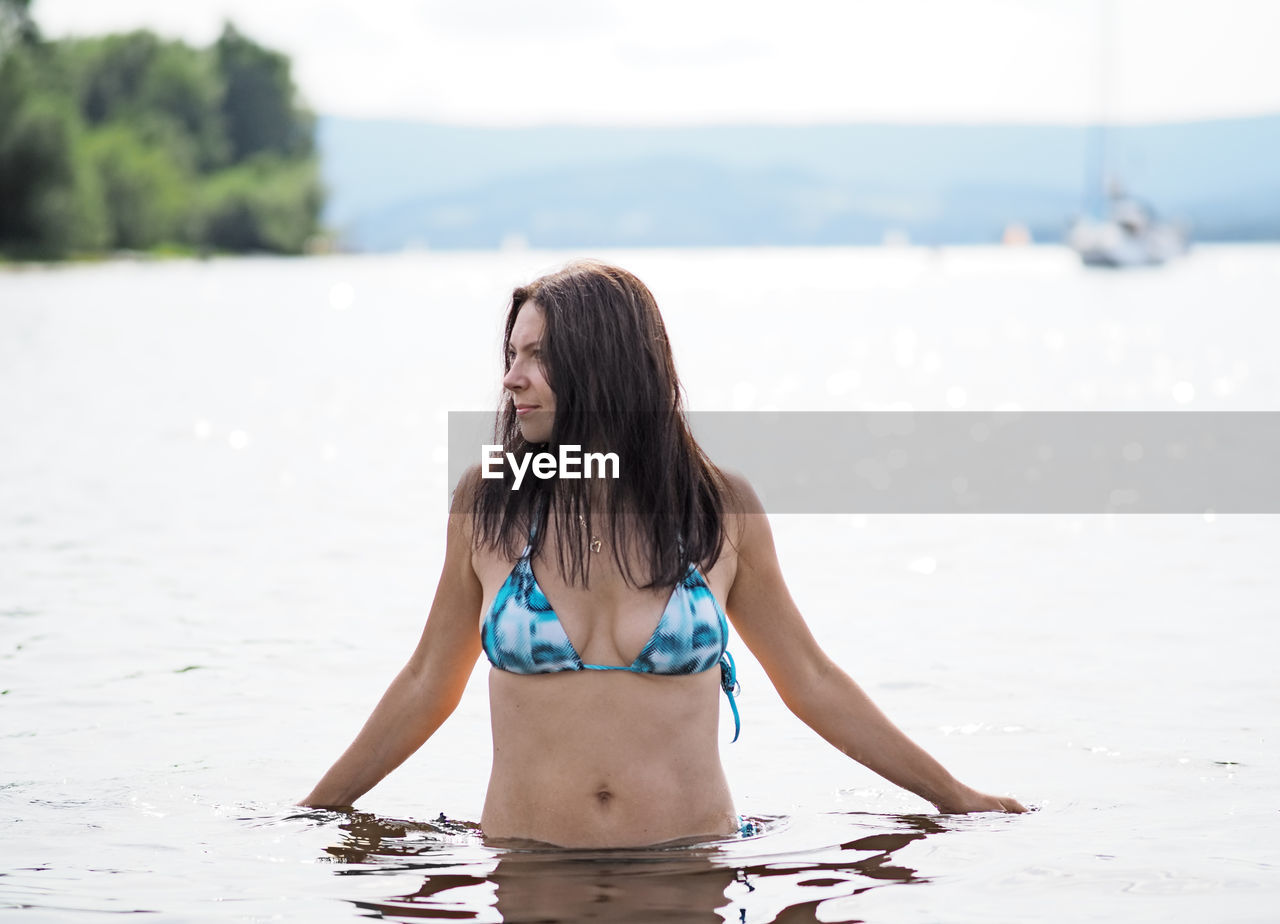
{"x": 604, "y": 696}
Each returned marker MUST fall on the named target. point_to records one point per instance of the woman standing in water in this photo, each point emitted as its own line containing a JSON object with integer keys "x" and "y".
{"x": 604, "y": 693}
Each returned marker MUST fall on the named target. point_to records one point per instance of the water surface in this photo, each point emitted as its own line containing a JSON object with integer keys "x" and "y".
{"x": 222, "y": 499}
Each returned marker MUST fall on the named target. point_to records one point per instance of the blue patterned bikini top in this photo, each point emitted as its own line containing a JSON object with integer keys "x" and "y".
{"x": 522, "y": 634}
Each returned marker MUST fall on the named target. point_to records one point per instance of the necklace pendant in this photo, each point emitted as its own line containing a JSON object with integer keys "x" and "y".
{"x": 595, "y": 545}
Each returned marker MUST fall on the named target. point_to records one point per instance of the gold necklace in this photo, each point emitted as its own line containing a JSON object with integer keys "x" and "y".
{"x": 596, "y": 545}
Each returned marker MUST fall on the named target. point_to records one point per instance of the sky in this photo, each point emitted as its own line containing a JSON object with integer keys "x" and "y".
{"x": 663, "y": 62}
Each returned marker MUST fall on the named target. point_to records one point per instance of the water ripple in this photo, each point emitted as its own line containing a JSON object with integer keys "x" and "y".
{"x": 786, "y": 865}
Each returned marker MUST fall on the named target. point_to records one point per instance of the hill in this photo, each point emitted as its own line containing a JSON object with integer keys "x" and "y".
{"x": 399, "y": 184}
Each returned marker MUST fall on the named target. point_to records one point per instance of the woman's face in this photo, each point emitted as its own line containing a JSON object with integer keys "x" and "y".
{"x": 525, "y": 381}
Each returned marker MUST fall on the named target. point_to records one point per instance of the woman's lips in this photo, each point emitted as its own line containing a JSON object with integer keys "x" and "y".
{"x": 522, "y": 409}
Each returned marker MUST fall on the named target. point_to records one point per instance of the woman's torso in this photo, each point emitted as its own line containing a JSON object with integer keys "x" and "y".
{"x": 604, "y": 758}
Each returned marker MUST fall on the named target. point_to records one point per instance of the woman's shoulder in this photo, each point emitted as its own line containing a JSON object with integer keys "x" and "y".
{"x": 742, "y": 508}
{"x": 465, "y": 491}
{"x": 462, "y": 507}
{"x": 477, "y": 518}
{"x": 740, "y": 498}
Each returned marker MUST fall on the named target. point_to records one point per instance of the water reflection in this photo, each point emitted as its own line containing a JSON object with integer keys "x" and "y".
{"x": 779, "y": 874}
{"x": 686, "y": 887}
{"x": 368, "y": 838}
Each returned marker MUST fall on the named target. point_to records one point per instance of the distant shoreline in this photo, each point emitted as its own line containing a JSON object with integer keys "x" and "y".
{"x": 18, "y": 266}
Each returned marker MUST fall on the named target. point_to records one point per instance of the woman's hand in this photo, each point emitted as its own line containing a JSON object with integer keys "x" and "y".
{"x": 968, "y": 800}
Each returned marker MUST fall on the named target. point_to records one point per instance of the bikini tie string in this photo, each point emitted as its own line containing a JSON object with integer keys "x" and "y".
{"x": 729, "y": 683}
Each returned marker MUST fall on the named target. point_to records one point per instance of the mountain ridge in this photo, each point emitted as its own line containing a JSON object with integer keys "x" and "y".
{"x": 399, "y": 184}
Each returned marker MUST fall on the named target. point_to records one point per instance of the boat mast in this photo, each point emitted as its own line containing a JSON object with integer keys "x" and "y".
{"x": 1097, "y": 178}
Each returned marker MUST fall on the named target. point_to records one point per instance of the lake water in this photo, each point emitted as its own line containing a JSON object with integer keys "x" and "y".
{"x": 222, "y": 500}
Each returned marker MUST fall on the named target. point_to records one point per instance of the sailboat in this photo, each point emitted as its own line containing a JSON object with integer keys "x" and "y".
{"x": 1127, "y": 233}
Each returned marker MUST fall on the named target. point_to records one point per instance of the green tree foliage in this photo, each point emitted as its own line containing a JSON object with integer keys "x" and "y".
{"x": 259, "y": 105}
{"x": 131, "y": 141}
{"x": 16, "y": 25}
{"x": 269, "y": 203}
{"x": 172, "y": 94}
{"x": 50, "y": 202}
{"x": 147, "y": 193}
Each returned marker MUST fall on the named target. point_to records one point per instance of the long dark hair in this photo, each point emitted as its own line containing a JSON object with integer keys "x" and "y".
{"x": 607, "y": 359}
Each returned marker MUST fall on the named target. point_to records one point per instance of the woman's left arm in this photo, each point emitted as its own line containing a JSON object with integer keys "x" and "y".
{"x": 816, "y": 689}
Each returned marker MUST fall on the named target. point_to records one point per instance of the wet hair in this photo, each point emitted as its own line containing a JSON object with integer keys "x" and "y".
{"x": 606, "y": 357}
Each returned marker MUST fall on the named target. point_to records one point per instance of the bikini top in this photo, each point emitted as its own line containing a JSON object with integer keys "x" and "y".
{"x": 522, "y": 633}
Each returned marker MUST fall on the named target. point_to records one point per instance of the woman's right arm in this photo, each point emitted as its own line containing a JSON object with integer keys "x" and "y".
{"x": 816, "y": 689}
{"x": 428, "y": 688}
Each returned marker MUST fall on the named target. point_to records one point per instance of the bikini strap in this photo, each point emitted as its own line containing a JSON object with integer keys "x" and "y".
{"x": 729, "y": 683}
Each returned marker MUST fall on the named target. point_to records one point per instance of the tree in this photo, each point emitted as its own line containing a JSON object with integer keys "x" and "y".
{"x": 133, "y": 141}
{"x": 184, "y": 85}
{"x": 146, "y": 193}
{"x": 50, "y": 203}
{"x": 266, "y": 204}
{"x": 259, "y": 104}
{"x": 172, "y": 93}
{"x": 16, "y": 25}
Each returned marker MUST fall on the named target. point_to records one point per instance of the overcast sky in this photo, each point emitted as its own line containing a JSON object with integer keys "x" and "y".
{"x": 684, "y": 61}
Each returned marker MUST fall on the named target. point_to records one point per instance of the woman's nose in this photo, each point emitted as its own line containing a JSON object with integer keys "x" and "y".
{"x": 514, "y": 379}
